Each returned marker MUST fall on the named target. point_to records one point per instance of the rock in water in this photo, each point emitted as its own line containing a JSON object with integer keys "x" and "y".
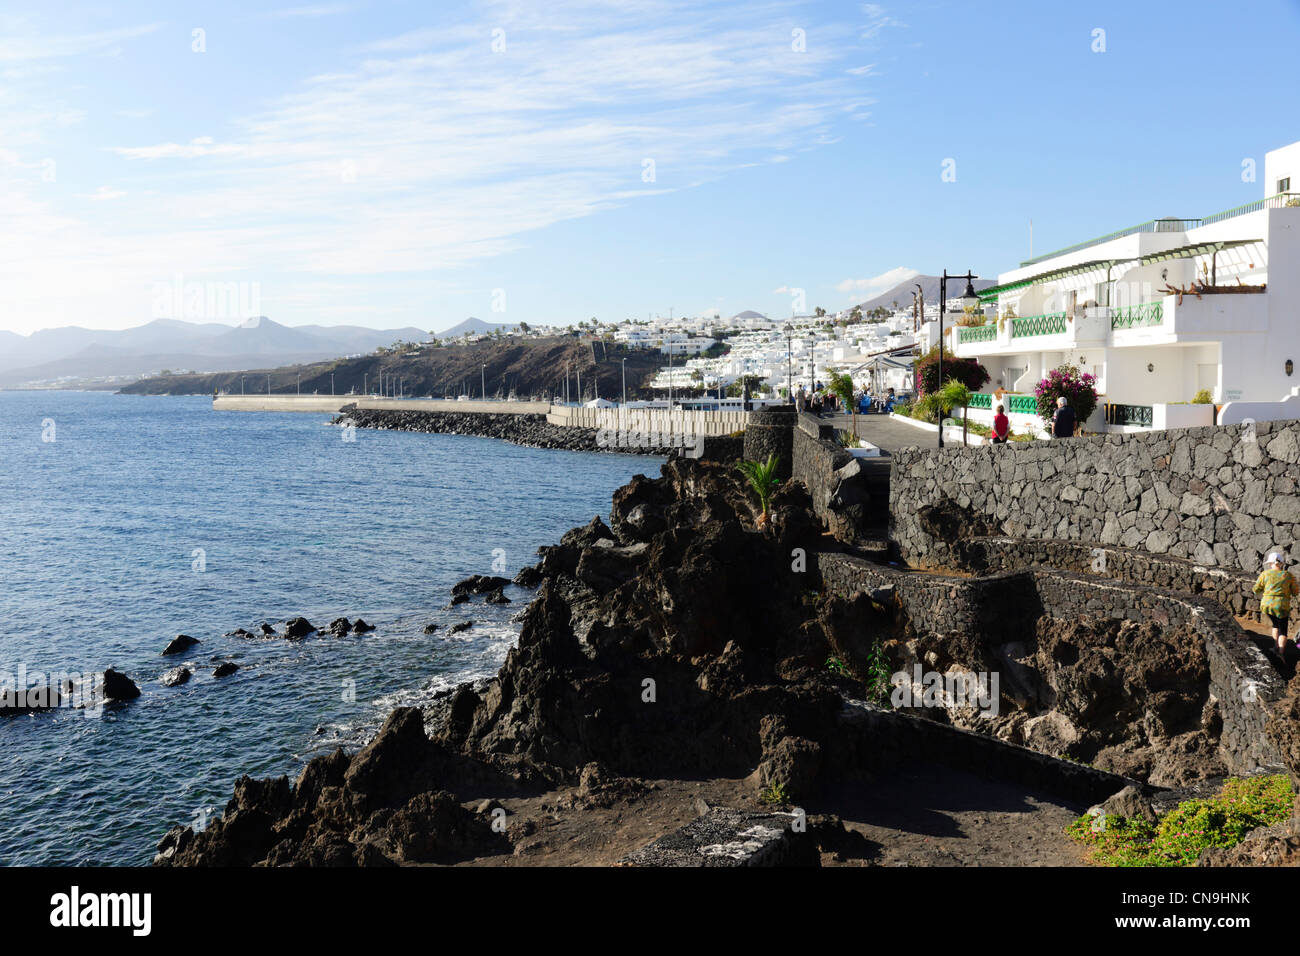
{"x": 179, "y": 644}
{"x": 340, "y": 626}
{"x": 361, "y": 627}
{"x": 430, "y": 628}
{"x": 267, "y": 629}
{"x": 297, "y": 627}
{"x": 528, "y": 577}
{"x": 496, "y": 597}
{"x": 225, "y": 669}
{"x": 118, "y": 686}
{"x": 478, "y": 584}
{"x": 462, "y": 626}
{"x": 175, "y": 677}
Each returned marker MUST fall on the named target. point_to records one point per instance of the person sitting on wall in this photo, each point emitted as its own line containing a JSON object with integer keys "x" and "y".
{"x": 1276, "y": 587}
{"x": 1063, "y": 421}
{"x": 1001, "y": 427}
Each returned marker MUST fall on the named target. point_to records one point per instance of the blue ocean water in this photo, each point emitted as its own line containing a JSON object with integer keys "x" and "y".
{"x": 147, "y": 517}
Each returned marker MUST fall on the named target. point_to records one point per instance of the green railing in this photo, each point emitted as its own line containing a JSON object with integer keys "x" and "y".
{"x": 1051, "y": 324}
{"x": 1140, "y": 415}
{"x": 1272, "y": 202}
{"x": 1022, "y": 404}
{"x": 1137, "y": 316}
{"x": 981, "y": 400}
{"x": 976, "y": 333}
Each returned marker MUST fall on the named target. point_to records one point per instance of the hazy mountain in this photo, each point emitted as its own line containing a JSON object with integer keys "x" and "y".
{"x": 902, "y": 293}
{"x": 75, "y": 352}
{"x": 474, "y": 327}
{"x": 749, "y": 314}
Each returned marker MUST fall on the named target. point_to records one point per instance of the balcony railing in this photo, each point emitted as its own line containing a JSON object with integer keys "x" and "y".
{"x": 1139, "y": 316}
{"x": 1140, "y": 415}
{"x": 1051, "y": 324}
{"x": 1022, "y": 404}
{"x": 976, "y": 333}
{"x": 1017, "y": 404}
{"x": 1151, "y": 225}
{"x": 1272, "y": 202}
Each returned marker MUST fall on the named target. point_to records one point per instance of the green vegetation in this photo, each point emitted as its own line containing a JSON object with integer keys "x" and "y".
{"x": 761, "y": 476}
{"x": 1203, "y": 397}
{"x": 935, "y": 406}
{"x": 1178, "y": 838}
{"x": 774, "y": 793}
{"x": 877, "y": 681}
{"x": 837, "y": 666}
{"x": 965, "y": 370}
{"x": 841, "y": 386}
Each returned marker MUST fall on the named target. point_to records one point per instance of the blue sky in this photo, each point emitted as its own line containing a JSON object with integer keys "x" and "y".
{"x": 381, "y": 164}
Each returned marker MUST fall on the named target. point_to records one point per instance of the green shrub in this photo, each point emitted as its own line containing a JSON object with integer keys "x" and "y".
{"x": 1178, "y": 837}
{"x": 1203, "y": 397}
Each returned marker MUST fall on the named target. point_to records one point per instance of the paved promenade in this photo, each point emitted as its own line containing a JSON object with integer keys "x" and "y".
{"x": 884, "y": 432}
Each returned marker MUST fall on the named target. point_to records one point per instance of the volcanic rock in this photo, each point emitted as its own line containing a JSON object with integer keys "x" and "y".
{"x": 118, "y": 686}
{"x": 175, "y": 677}
{"x": 179, "y": 644}
{"x": 225, "y": 669}
{"x": 297, "y": 627}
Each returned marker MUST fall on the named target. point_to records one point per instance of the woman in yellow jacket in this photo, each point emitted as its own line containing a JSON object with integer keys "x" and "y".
{"x": 1276, "y": 587}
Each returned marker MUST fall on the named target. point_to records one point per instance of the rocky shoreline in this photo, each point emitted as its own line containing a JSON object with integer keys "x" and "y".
{"x": 531, "y": 431}
{"x": 676, "y": 674}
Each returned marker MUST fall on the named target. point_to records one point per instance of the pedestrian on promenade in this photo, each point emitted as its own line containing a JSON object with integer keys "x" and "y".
{"x": 1063, "y": 421}
{"x": 1001, "y": 427}
{"x": 817, "y": 404}
{"x": 800, "y": 400}
{"x": 1276, "y": 587}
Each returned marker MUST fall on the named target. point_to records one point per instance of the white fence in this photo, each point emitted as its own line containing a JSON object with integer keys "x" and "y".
{"x": 651, "y": 421}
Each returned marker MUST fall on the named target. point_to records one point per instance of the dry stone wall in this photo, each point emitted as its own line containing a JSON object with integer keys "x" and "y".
{"x": 1217, "y": 496}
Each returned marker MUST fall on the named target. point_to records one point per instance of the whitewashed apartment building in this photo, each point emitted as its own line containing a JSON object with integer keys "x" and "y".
{"x": 1102, "y": 305}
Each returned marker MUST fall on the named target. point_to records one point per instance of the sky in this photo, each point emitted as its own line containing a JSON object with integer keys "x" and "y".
{"x": 397, "y": 163}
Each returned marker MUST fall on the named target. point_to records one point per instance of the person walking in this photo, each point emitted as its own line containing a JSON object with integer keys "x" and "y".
{"x": 1276, "y": 587}
{"x": 1001, "y": 427}
{"x": 1063, "y": 421}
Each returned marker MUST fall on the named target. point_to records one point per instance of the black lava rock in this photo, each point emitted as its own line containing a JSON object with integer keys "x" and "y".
{"x": 179, "y": 644}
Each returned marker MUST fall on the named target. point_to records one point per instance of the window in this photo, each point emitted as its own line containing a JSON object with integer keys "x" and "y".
{"x": 1284, "y": 185}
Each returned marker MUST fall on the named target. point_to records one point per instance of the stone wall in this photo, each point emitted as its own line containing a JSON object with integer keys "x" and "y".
{"x": 1000, "y": 607}
{"x": 768, "y": 432}
{"x": 1218, "y": 496}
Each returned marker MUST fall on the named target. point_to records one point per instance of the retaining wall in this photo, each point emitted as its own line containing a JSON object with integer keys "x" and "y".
{"x": 1219, "y": 496}
{"x": 996, "y": 608}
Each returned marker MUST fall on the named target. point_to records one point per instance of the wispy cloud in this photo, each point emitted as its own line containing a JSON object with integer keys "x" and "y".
{"x": 431, "y": 149}
{"x": 866, "y": 288}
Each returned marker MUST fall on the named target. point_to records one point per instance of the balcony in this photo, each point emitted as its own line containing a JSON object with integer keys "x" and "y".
{"x": 1196, "y": 318}
{"x": 1032, "y": 333}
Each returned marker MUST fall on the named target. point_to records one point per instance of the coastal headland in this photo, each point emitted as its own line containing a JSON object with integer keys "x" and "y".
{"x": 694, "y": 685}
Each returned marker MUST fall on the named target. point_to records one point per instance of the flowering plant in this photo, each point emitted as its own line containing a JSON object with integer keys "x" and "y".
{"x": 1078, "y": 390}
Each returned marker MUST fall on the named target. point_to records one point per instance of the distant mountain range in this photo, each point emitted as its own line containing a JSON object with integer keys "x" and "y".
{"x": 902, "y": 293}
{"x": 76, "y": 353}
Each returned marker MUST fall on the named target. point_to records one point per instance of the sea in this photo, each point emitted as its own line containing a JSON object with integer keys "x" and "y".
{"x": 127, "y": 520}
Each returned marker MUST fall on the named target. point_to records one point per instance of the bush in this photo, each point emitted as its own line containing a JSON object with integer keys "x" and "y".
{"x": 1178, "y": 838}
{"x": 1203, "y": 397}
{"x": 965, "y": 370}
{"x": 1065, "y": 381}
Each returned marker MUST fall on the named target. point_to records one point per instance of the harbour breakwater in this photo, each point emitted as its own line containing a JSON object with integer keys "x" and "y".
{"x": 535, "y": 431}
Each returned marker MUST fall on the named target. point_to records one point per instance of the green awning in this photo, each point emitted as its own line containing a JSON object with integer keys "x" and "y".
{"x": 994, "y": 291}
{"x": 1197, "y": 249}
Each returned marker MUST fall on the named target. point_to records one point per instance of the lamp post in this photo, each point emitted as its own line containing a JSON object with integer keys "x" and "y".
{"x": 968, "y": 299}
{"x": 300, "y": 383}
{"x": 268, "y": 384}
{"x": 482, "y": 383}
{"x": 625, "y": 380}
{"x": 241, "y": 385}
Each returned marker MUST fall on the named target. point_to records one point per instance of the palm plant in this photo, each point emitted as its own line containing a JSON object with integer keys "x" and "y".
{"x": 842, "y": 385}
{"x": 761, "y": 476}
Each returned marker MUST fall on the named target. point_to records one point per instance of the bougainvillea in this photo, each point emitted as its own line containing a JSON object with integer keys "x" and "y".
{"x": 965, "y": 370}
{"x": 1065, "y": 381}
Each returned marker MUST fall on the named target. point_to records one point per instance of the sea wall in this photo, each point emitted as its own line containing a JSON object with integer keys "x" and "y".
{"x": 1001, "y": 607}
{"x": 335, "y": 403}
{"x": 675, "y": 421}
{"x": 534, "y": 431}
{"x": 1218, "y": 496}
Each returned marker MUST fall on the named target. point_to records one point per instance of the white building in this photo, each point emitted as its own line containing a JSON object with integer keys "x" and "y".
{"x": 1105, "y": 306}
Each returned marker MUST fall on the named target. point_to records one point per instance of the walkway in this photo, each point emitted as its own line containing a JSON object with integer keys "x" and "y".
{"x": 884, "y": 432}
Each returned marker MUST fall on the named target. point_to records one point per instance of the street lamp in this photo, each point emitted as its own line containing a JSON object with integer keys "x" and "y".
{"x": 482, "y": 383}
{"x": 625, "y": 380}
{"x": 968, "y": 300}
